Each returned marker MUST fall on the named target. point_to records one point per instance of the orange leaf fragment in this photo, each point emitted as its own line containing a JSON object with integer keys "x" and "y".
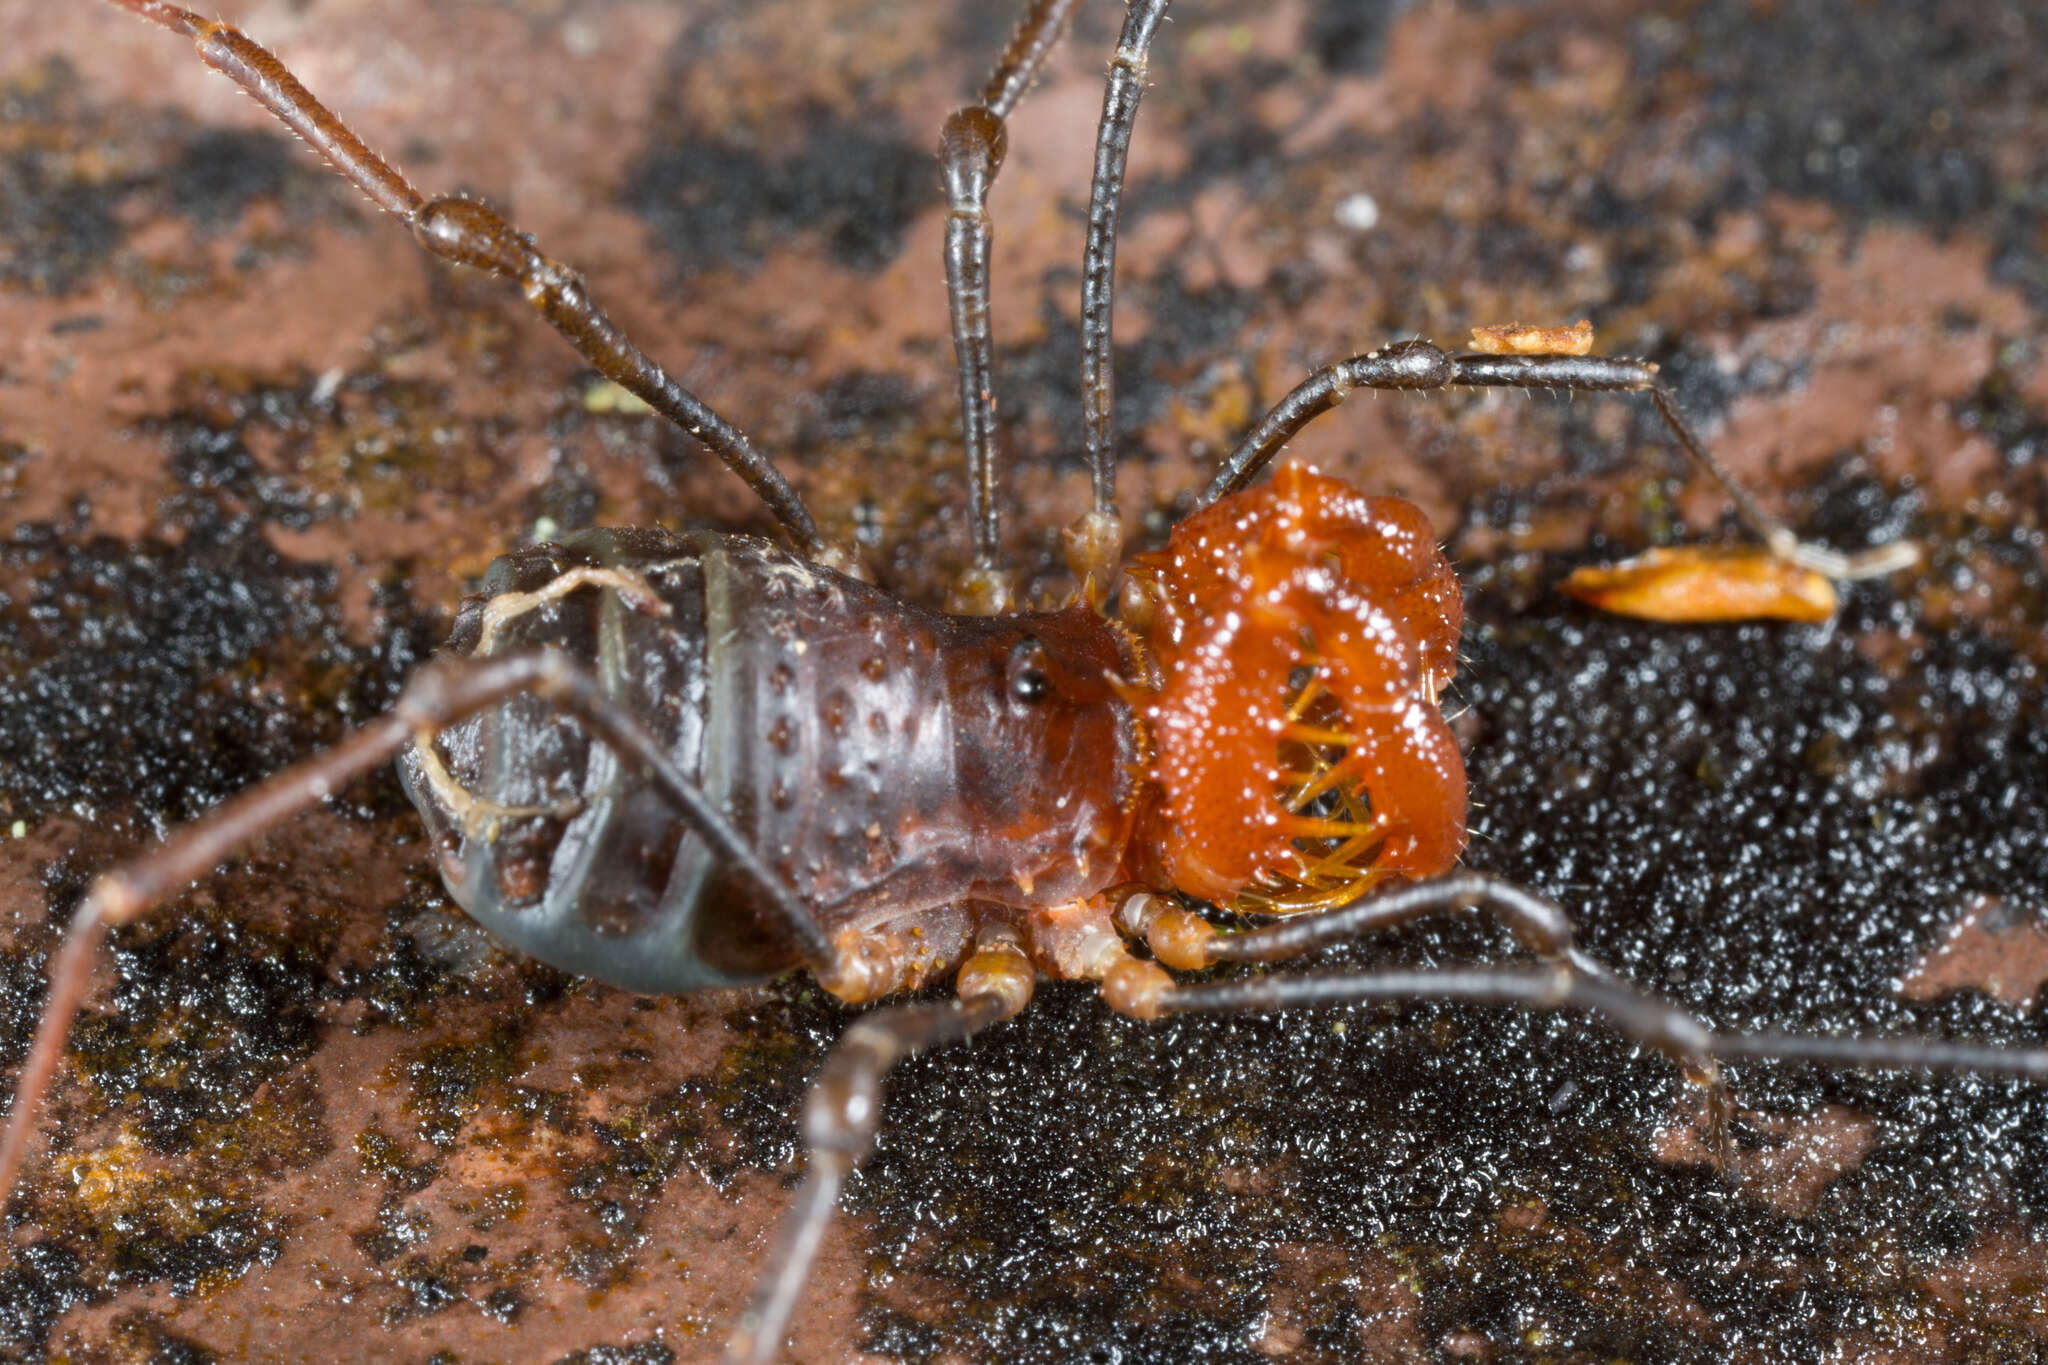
{"x": 1705, "y": 583}
{"x": 1519, "y": 338}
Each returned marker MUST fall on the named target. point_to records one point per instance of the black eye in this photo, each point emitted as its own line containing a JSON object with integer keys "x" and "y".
{"x": 1028, "y": 682}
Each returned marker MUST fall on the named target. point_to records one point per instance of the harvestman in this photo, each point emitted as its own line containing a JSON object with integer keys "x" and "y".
{"x": 1043, "y": 904}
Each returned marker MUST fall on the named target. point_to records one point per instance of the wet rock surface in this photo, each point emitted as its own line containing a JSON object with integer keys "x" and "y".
{"x": 253, "y": 444}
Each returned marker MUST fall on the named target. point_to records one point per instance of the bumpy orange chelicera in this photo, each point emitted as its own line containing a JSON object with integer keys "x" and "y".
{"x": 1303, "y": 631}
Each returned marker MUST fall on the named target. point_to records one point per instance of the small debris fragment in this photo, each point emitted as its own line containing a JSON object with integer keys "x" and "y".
{"x": 1704, "y": 583}
{"x": 605, "y": 396}
{"x": 1519, "y": 338}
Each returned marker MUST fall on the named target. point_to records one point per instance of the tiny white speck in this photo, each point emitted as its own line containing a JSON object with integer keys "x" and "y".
{"x": 18, "y": 830}
{"x": 1358, "y": 212}
{"x": 582, "y": 39}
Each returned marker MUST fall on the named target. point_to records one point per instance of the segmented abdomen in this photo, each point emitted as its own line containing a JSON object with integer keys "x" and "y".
{"x": 543, "y": 835}
{"x": 872, "y": 752}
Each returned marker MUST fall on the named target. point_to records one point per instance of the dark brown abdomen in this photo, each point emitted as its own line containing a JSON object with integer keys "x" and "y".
{"x": 866, "y": 748}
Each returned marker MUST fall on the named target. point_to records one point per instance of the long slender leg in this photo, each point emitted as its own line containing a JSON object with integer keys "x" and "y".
{"x": 472, "y": 234}
{"x": 1571, "y": 981}
{"x": 440, "y": 694}
{"x": 1190, "y": 942}
{"x": 840, "y": 1116}
{"x": 1418, "y": 365}
{"x": 971, "y": 153}
{"x": 1643, "y": 1017}
{"x": 1187, "y": 942}
{"x": 1099, "y": 537}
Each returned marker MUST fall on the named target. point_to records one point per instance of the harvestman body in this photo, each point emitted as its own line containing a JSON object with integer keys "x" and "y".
{"x": 677, "y": 761}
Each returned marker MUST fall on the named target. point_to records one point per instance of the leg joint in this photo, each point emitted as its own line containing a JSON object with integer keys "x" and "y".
{"x": 474, "y": 234}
